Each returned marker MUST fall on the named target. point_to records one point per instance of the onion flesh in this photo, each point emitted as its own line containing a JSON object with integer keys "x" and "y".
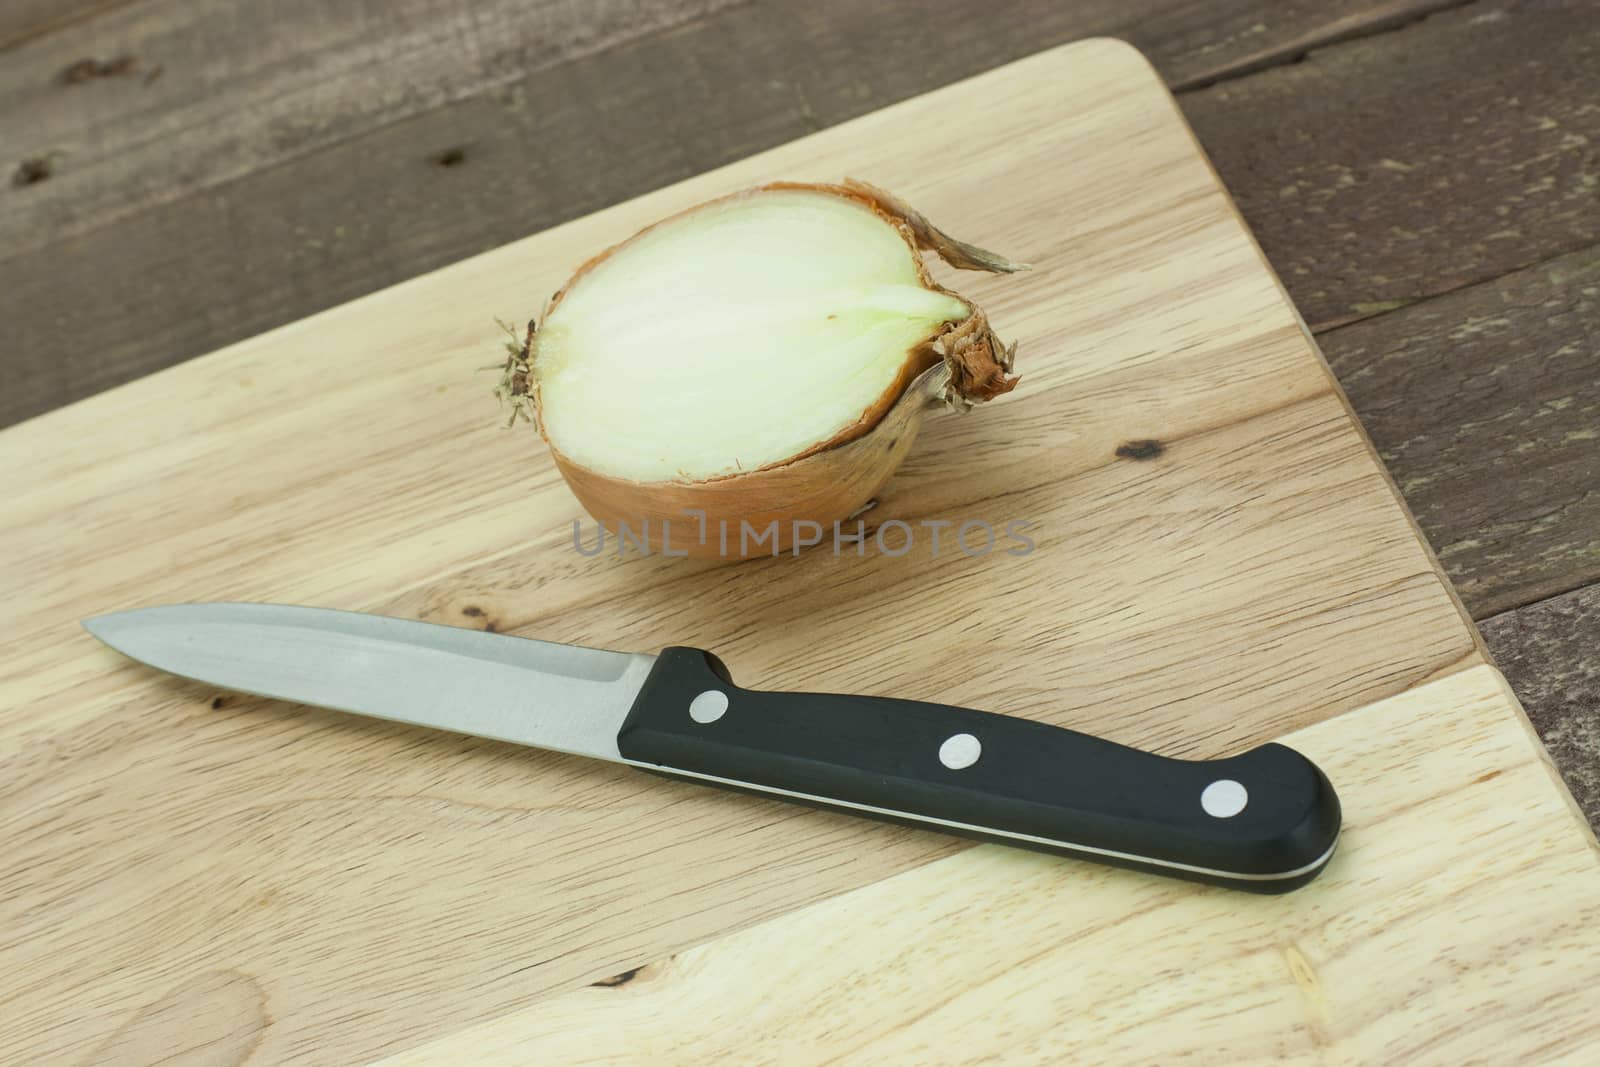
{"x": 733, "y": 337}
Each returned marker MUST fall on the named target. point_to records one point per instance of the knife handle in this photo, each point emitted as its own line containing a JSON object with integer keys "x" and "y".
{"x": 1265, "y": 821}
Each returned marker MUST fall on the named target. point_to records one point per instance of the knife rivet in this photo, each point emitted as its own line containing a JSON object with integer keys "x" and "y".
{"x": 960, "y": 751}
{"x": 708, "y": 706}
{"x": 1224, "y": 798}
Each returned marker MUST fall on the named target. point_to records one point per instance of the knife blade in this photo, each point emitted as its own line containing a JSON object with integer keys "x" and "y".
{"x": 1265, "y": 821}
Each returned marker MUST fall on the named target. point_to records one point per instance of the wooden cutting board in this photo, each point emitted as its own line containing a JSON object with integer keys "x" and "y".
{"x": 1220, "y": 559}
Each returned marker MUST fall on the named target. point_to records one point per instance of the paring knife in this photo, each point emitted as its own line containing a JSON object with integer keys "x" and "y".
{"x": 1266, "y": 821}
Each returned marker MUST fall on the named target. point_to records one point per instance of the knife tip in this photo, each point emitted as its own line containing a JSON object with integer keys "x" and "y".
{"x": 106, "y": 626}
{"x": 96, "y": 625}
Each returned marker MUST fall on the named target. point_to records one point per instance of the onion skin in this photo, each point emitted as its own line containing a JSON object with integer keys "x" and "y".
{"x": 825, "y": 486}
{"x": 963, "y": 363}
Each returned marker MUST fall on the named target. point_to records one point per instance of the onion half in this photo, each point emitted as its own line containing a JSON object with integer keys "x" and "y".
{"x": 762, "y": 357}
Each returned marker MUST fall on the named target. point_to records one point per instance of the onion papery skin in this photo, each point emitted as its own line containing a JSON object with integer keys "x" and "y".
{"x": 825, "y": 487}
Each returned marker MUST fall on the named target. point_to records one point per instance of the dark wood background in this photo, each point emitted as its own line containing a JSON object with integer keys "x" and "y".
{"x": 1424, "y": 175}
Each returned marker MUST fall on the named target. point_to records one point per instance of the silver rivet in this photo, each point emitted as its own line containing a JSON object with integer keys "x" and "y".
{"x": 960, "y": 751}
{"x": 1224, "y": 798}
{"x": 708, "y": 706}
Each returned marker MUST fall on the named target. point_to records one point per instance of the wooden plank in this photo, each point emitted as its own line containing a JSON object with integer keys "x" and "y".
{"x": 1489, "y": 942}
{"x": 1256, "y": 575}
{"x": 1550, "y": 652}
{"x": 245, "y": 86}
{"x": 1289, "y": 32}
{"x": 1485, "y": 405}
{"x": 329, "y": 72}
{"x": 194, "y": 264}
{"x": 1392, "y": 170}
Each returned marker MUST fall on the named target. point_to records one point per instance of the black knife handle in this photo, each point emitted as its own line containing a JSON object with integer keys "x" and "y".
{"x": 1031, "y": 784}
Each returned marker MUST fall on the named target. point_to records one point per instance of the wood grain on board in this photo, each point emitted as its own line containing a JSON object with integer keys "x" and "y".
{"x": 1485, "y": 943}
{"x": 1244, "y": 568}
{"x": 280, "y": 192}
{"x": 23, "y": 20}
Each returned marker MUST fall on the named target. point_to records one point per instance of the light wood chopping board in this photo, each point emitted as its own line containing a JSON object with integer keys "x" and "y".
{"x": 191, "y": 875}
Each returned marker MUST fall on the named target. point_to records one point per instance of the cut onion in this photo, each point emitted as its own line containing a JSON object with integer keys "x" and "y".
{"x": 764, "y": 356}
